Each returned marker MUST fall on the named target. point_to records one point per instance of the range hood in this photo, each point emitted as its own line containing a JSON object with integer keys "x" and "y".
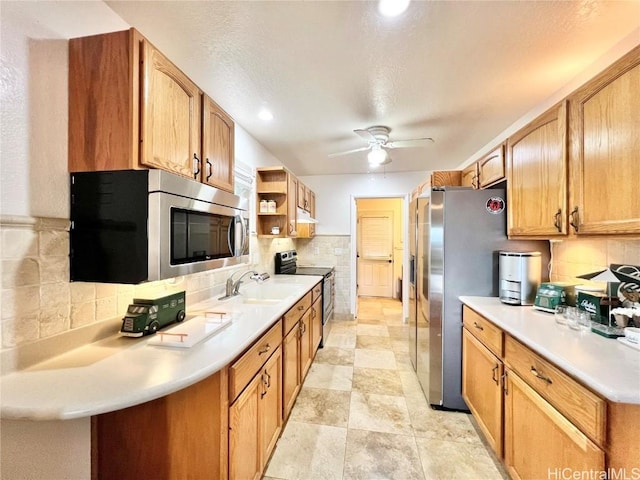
{"x": 304, "y": 217}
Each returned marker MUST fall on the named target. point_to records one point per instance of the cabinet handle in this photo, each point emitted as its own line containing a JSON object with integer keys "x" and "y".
{"x": 557, "y": 220}
{"x": 264, "y": 390}
{"x": 504, "y": 383}
{"x": 300, "y": 307}
{"x": 291, "y": 228}
{"x": 264, "y": 349}
{"x": 196, "y": 169}
{"x": 494, "y": 371}
{"x": 479, "y": 327}
{"x": 475, "y": 183}
{"x": 574, "y": 219}
{"x": 209, "y": 169}
{"x": 268, "y": 384}
{"x": 313, "y": 313}
{"x": 302, "y": 328}
{"x": 537, "y": 374}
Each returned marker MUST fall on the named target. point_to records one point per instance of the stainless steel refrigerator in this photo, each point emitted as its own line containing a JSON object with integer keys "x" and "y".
{"x": 458, "y": 234}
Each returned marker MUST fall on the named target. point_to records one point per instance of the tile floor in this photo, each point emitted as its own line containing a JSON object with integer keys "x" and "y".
{"x": 362, "y": 415}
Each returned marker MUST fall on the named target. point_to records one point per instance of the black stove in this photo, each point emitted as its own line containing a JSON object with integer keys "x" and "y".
{"x": 287, "y": 264}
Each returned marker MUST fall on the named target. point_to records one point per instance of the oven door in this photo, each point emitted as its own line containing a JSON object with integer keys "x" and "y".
{"x": 194, "y": 236}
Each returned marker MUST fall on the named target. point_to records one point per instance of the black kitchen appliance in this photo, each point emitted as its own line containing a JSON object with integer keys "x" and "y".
{"x": 286, "y": 263}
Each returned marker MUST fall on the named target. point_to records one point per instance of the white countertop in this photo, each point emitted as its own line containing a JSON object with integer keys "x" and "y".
{"x": 608, "y": 367}
{"x": 120, "y": 372}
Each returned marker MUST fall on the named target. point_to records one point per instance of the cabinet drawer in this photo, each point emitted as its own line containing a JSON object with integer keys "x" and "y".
{"x": 585, "y": 409}
{"x": 483, "y": 330}
{"x": 316, "y": 292}
{"x": 295, "y": 313}
{"x": 243, "y": 369}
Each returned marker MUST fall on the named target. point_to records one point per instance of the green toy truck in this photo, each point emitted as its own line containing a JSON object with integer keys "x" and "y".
{"x": 145, "y": 316}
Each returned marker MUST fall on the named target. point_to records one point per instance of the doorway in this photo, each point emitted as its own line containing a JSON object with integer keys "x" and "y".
{"x": 379, "y": 247}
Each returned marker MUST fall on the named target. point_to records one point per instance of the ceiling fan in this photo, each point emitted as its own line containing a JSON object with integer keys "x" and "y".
{"x": 378, "y": 138}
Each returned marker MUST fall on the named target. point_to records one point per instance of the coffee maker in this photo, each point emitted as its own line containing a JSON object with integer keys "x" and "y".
{"x": 520, "y": 274}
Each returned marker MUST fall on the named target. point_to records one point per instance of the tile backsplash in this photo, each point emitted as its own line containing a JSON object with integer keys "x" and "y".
{"x": 38, "y": 301}
{"x": 577, "y": 256}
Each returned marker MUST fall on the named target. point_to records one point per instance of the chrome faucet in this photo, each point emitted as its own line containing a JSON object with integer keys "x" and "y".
{"x": 233, "y": 288}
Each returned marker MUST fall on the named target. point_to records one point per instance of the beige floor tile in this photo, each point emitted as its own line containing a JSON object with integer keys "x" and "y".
{"x": 333, "y": 377}
{"x": 376, "y": 380}
{"x": 376, "y": 455}
{"x": 438, "y": 424}
{"x": 335, "y": 356}
{"x": 307, "y": 451}
{"x": 341, "y": 340}
{"x": 398, "y": 332}
{"x": 400, "y": 346}
{"x": 403, "y": 361}
{"x": 373, "y": 330}
{"x": 322, "y": 406}
{"x": 448, "y": 460}
{"x": 379, "y": 413}
{"x": 367, "y": 358}
{"x": 373, "y": 342}
{"x": 410, "y": 384}
{"x": 373, "y": 320}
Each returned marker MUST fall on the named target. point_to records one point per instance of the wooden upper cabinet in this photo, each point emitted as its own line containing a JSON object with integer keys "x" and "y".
{"x": 491, "y": 168}
{"x": 301, "y": 195}
{"x": 292, "y": 213}
{"x": 217, "y": 146}
{"x": 104, "y": 101}
{"x": 470, "y": 176}
{"x": 537, "y": 177}
{"x": 605, "y": 141}
{"x": 169, "y": 117}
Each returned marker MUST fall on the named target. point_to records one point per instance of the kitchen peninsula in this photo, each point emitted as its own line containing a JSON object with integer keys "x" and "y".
{"x": 546, "y": 396}
{"x": 149, "y": 385}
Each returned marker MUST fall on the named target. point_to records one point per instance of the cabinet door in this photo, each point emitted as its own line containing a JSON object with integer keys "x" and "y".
{"x": 305, "y": 343}
{"x": 170, "y": 116}
{"x": 244, "y": 439}
{"x": 491, "y": 168}
{"x": 481, "y": 389}
{"x": 217, "y": 146}
{"x": 292, "y": 204}
{"x": 301, "y": 195}
{"x": 537, "y": 177}
{"x": 605, "y": 141}
{"x": 316, "y": 325}
{"x": 270, "y": 410}
{"x": 539, "y": 440}
{"x": 290, "y": 370}
{"x": 470, "y": 176}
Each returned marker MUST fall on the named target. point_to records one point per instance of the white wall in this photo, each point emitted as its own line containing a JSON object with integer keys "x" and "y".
{"x": 334, "y": 192}
{"x": 33, "y": 139}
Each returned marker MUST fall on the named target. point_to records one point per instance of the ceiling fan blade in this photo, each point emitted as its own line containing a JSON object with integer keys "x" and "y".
{"x": 414, "y": 142}
{"x": 366, "y": 134}
{"x": 361, "y": 149}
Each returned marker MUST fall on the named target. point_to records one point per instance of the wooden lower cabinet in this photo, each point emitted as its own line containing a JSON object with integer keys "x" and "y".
{"x": 316, "y": 324}
{"x": 539, "y": 442}
{"x": 482, "y": 389}
{"x": 291, "y": 380}
{"x": 255, "y": 420}
{"x": 182, "y": 435}
{"x": 306, "y": 350}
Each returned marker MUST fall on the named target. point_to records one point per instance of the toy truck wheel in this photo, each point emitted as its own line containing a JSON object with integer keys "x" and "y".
{"x": 180, "y": 316}
{"x": 154, "y": 326}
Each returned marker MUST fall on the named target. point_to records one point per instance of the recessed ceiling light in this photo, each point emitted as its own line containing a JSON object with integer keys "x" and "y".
{"x": 392, "y": 8}
{"x": 265, "y": 115}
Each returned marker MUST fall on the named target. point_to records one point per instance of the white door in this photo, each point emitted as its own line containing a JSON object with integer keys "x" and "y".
{"x": 375, "y": 254}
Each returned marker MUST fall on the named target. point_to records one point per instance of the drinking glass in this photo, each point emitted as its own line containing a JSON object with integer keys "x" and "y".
{"x": 572, "y": 318}
{"x": 584, "y": 320}
{"x": 560, "y": 314}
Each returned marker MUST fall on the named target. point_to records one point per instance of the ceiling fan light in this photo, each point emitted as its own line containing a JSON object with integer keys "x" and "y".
{"x": 376, "y": 156}
{"x": 392, "y": 8}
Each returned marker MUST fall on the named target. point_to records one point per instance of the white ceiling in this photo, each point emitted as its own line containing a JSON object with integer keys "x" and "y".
{"x": 458, "y": 71}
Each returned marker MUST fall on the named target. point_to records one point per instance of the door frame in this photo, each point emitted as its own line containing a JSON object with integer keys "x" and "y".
{"x": 354, "y": 250}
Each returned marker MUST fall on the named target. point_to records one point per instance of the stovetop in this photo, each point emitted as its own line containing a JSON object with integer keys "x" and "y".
{"x": 287, "y": 263}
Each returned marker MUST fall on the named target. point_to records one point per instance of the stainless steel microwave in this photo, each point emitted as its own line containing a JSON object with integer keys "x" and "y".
{"x": 134, "y": 226}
